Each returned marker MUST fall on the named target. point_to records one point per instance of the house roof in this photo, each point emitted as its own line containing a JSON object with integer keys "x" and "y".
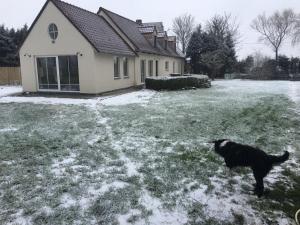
{"x": 102, "y": 36}
{"x": 95, "y": 29}
{"x": 145, "y": 30}
{"x": 159, "y": 26}
{"x": 131, "y": 29}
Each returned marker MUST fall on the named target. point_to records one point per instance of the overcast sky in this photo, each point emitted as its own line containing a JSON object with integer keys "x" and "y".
{"x": 15, "y": 13}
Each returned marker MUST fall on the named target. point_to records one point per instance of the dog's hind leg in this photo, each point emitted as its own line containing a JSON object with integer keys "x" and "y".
{"x": 259, "y": 188}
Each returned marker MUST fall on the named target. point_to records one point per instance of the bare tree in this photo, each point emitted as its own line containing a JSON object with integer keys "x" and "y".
{"x": 183, "y": 27}
{"x": 224, "y": 26}
{"x": 275, "y": 29}
{"x": 296, "y": 31}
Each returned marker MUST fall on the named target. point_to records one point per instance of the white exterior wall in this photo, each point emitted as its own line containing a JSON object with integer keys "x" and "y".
{"x": 179, "y": 63}
{"x": 69, "y": 42}
{"x": 104, "y": 73}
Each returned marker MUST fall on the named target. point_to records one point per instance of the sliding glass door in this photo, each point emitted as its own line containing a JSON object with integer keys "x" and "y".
{"x": 68, "y": 73}
{"x": 47, "y": 73}
{"x": 58, "y": 73}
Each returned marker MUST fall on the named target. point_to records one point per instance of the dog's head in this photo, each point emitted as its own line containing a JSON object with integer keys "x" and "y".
{"x": 218, "y": 143}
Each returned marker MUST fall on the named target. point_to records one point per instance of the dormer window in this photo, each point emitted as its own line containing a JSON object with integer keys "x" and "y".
{"x": 166, "y": 44}
{"x": 53, "y": 31}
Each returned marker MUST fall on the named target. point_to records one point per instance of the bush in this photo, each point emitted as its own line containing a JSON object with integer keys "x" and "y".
{"x": 177, "y": 83}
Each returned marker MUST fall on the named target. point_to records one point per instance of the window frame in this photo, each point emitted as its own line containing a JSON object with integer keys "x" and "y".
{"x": 150, "y": 68}
{"x": 125, "y": 68}
{"x": 57, "y": 73}
{"x": 167, "y": 65}
{"x": 53, "y": 30}
{"x": 117, "y": 74}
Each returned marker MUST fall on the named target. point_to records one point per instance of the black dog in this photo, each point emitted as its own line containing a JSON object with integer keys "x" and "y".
{"x": 243, "y": 155}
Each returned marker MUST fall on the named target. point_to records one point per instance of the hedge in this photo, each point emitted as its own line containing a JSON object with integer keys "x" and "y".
{"x": 178, "y": 82}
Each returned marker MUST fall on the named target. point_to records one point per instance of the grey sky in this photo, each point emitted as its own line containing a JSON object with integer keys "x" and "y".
{"x": 18, "y": 12}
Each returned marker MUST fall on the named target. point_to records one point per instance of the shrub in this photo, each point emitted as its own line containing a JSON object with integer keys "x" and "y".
{"x": 177, "y": 83}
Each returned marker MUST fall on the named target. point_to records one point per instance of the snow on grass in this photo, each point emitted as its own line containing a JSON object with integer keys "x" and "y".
{"x": 10, "y": 90}
{"x": 67, "y": 201}
{"x": 146, "y": 163}
{"x": 8, "y": 130}
{"x": 220, "y": 204}
{"x": 49, "y": 101}
{"x": 138, "y": 97}
{"x": 161, "y": 215}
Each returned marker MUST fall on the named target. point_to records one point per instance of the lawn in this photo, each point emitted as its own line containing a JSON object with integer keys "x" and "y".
{"x": 144, "y": 157}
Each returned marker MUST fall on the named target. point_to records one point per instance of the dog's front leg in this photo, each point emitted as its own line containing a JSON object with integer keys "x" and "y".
{"x": 259, "y": 188}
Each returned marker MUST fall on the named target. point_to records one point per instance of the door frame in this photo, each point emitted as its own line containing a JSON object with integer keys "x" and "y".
{"x": 57, "y": 73}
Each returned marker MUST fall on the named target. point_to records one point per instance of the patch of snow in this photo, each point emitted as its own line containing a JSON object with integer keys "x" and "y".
{"x": 20, "y": 219}
{"x": 294, "y": 91}
{"x": 123, "y": 219}
{"x": 8, "y": 130}
{"x": 58, "y": 167}
{"x": 220, "y": 205}
{"x": 160, "y": 215}
{"x": 114, "y": 185}
{"x": 67, "y": 201}
{"x": 138, "y": 97}
{"x": 49, "y": 101}
{"x": 10, "y": 90}
{"x": 141, "y": 97}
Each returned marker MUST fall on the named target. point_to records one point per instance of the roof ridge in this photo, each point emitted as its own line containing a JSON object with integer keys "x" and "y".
{"x": 67, "y": 3}
{"x": 117, "y": 14}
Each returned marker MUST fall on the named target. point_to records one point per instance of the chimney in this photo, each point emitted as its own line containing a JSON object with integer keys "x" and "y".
{"x": 139, "y": 22}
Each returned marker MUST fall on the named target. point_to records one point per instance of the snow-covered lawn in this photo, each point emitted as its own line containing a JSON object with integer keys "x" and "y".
{"x": 144, "y": 158}
{"x": 9, "y": 90}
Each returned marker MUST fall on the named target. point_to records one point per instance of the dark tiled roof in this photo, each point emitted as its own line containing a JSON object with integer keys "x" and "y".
{"x": 95, "y": 29}
{"x": 159, "y": 26}
{"x": 145, "y": 30}
{"x": 161, "y": 34}
{"x": 131, "y": 30}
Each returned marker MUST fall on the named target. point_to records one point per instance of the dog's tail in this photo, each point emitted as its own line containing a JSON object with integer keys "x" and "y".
{"x": 279, "y": 159}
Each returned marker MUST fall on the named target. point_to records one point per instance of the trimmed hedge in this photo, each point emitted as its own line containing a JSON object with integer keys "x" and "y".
{"x": 177, "y": 83}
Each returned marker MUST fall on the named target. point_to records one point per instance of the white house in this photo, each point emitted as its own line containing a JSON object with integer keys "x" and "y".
{"x": 69, "y": 49}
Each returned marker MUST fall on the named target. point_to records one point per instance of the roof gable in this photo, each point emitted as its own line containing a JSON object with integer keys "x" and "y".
{"x": 134, "y": 32}
{"x": 92, "y": 27}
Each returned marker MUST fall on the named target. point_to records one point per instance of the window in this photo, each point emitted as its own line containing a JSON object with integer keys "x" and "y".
{"x": 53, "y": 31}
{"x": 116, "y": 67}
{"x": 125, "y": 67}
{"x": 173, "y": 67}
{"x": 150, "y": 68}
{"x": 143, "y": 70}
{"x": 179, "y": 67}
{"x": 167, "y": 65}
{"x": 156, "y": 68}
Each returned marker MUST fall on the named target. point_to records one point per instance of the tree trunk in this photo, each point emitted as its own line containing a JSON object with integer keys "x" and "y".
{"x": 276, "y": 55}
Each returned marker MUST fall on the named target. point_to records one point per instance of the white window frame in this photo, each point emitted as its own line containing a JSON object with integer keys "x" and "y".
{"x": 127, "y": 68}
{"x": 167, "y": 65}
{"x": 117, "y": 76}
{"x": 57, "y": 74}
{"x": 150, "y": 68}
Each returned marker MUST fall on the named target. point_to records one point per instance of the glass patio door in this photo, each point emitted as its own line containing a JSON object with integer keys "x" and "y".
{"x": 59, "y": 73}
{"x": 47, "y": 73}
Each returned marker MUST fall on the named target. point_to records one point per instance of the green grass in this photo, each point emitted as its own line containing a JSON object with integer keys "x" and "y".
{"x": 145, "y": 162}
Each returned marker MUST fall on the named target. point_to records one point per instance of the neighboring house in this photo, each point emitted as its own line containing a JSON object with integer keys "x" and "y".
{"x": 69, "y": 49}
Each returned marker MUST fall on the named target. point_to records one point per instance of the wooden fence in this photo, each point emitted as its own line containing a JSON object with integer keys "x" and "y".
{"x": 10, "y": 76}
